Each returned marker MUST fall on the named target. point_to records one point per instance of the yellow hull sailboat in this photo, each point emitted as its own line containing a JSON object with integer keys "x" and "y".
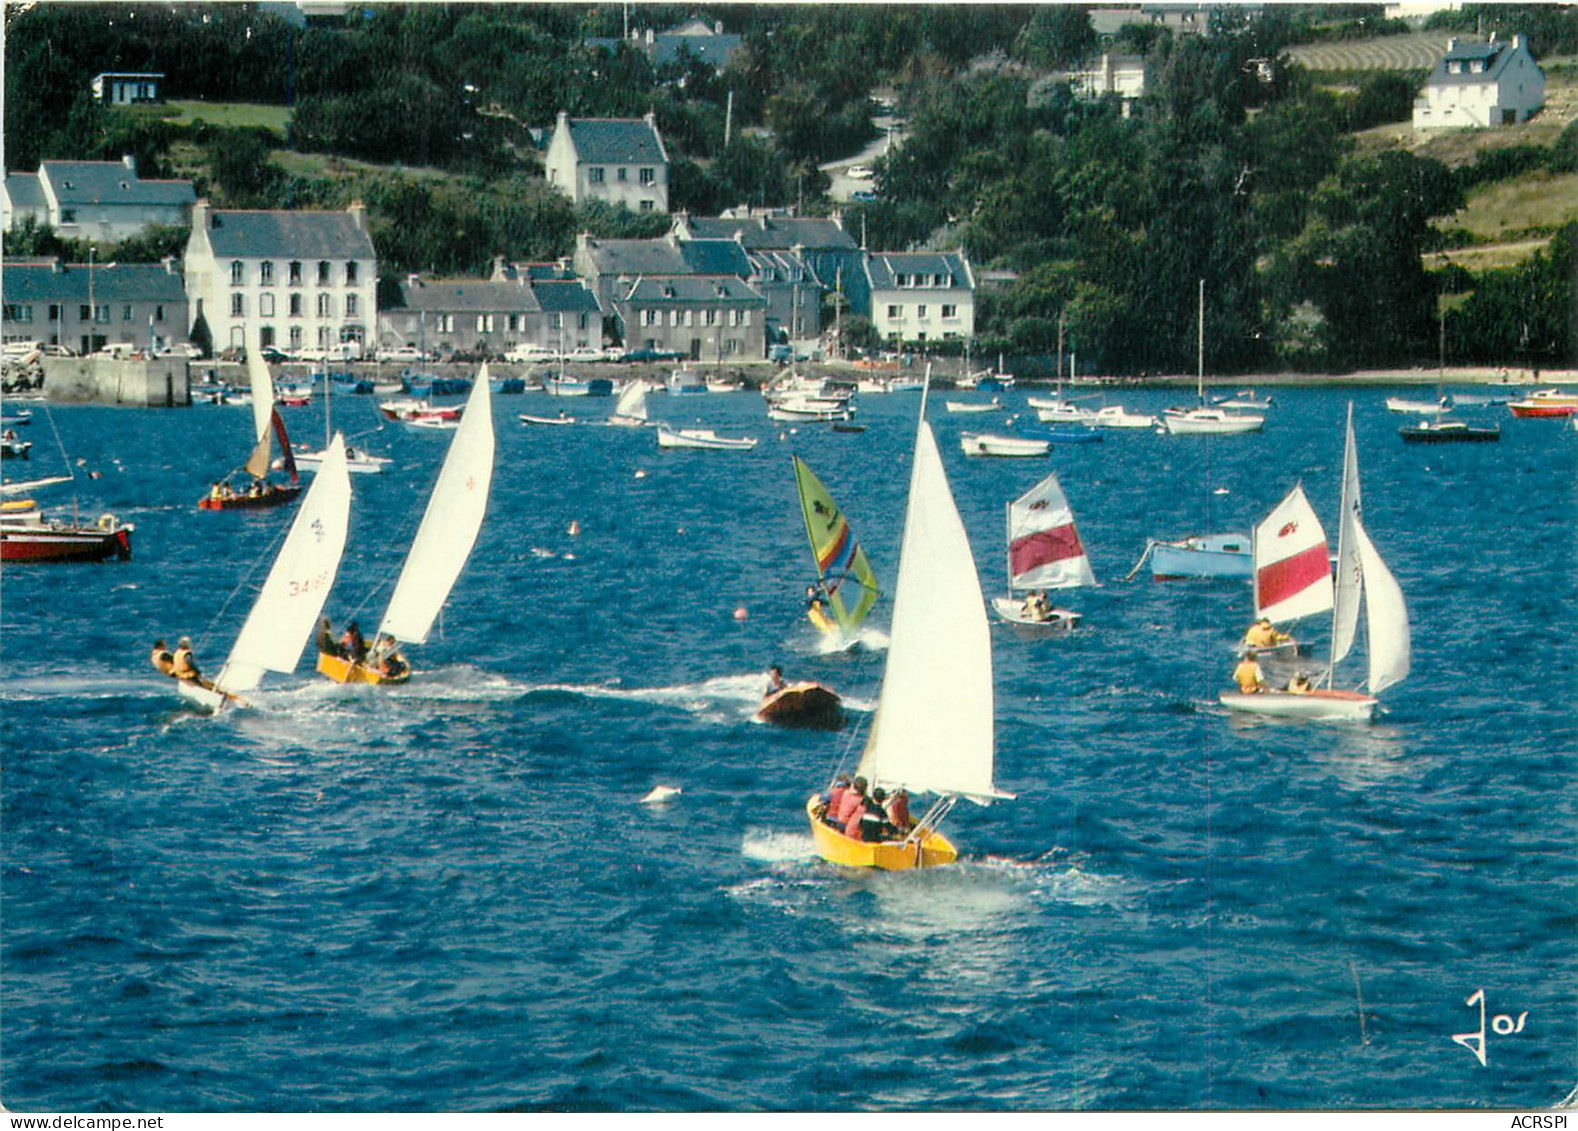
{"x": 932, "y": 733}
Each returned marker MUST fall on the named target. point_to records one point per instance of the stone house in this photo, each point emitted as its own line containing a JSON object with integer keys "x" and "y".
{"x": 706, "y": 317}
{"x": 519, "y": 304}
{"x": 300, "y": 281}
{"x": 86, "y": 307}
{"x": 95, "y": 200}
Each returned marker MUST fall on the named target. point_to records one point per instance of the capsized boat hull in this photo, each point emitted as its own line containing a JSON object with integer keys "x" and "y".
{"x": 1012, "y": 610}
{"x": 931, "y": 851}
{"x": 342, "y": 670}
{"x": 1321, "y": 704}
{"x": 803, "y": 706}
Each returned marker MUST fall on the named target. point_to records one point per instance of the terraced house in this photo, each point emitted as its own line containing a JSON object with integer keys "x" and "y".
{"x": 521, "y": 304}
{"x": 618, "y": 160}
{"x": 86, "y": 307}
{"x": 95, "y": 200}
{"x": 300, "y": 281}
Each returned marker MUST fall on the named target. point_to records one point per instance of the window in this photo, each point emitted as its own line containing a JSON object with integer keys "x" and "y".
{"x": 690, "y": 317}
{"x": 238, "y": 307}
{"x": 101, "y": 313}
{"x": 237, "y": 273}
{"x": 647, "y": 176}
{"x": 295, "y": 272}
{"x": 84, "y": 312}
{"x": 583, "y": 319}
{"x": 646, "y": 206}
{"x": 484, "y": 323}
{"x": 15, "y": 313}
{"x": 265, "y": 306}
{"x": 350, "y": 273}
{"x": 323, "y": 272}
{"x": 126, "y": 312}
{"x": 158, "y": 313}
{"x": 68, "y": 215}
{"x": 949, "y": 311}
{"x": 901, "y": 280}
{"x": 556, "y": 322}
{"x": 325, "y": 306}
{"x": 295, "y": 338}
{"x": 514, "y": 323}
{"x": 745, "y": 318}
{"x": 895, "y": 310}
{"x": 673, "y": 318}
{"x": 295, "y": 306}
{"x": 265, "y": 335}
{"x": 712, "y": 318}
{"x": 939, "y": 280}
{"x": 323, "y": 337}
{"x": 624, "y": 173}
{"x": 734, "y": 318}
{"x": 594, "y": 175}
{"x": 350, "y": 306}
{"x": 446, "y": 323}
{"x": 266, "y": 273}
{"x": 55, "y": 311}
{"x": 920, "y": 311}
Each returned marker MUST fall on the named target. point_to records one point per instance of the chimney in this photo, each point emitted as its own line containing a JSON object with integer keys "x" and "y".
{"x": 130, "y": 161}
{"x": 649, "y": 37}
{"x": 1492, "y": 39}
{"x": 1518, "y": 41}
{"x": 200, "y": 220}
{"x": 358, "y": 212}
{"x": 717, "y": 27}
{"x": 1451, "y": 45}
{"x": 169, "y": 264}
{"x": 413, "y": 281}
{"x": 498, "y": 269}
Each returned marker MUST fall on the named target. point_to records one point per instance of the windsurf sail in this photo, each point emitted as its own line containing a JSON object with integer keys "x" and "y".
{"x": 841, "y": 566}
{"x": 1044, "y": 549}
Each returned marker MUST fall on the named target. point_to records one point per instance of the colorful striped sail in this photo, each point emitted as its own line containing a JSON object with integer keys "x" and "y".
{"x": 841, "y": 565}
{"x": 1044, "y": 550}
{"x": 1292, "y": 562}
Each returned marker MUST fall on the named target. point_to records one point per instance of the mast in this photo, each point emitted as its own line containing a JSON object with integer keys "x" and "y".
{"x": 1200, "y": 347}
{"x": 1008, "y": 543}
{"x": 1337, "y": 604}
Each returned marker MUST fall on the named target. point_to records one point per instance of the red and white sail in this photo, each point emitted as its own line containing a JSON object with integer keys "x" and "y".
{"x": 1292, "y": 563}
{"x": 1044, "y": 550}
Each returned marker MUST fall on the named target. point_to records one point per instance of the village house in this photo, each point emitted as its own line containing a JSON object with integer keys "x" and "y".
{"x": 86, "y": 307}
{"x": 617, "y": 160}
{"x": 611, "y": 268}
{"x": 706, "y": 317}
{"x": 695, "y": 38}
{"x": 795, "y": 261}
{"x": 126, "y": 88}
{"x": 95, "y": 200}
{"x": 300, "y": 281}
{"x": 524, "y": 304}
{"x": 1478, "y": 85}
{"x": 921, "y": 296}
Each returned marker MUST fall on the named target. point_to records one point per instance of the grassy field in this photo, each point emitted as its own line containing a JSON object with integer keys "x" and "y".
{"x": 233, "y": 114}
{"x": 330, "y": 166}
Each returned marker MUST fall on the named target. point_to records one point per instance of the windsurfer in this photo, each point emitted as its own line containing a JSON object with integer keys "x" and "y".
{"x": 1248, "y": 675}
{"x": 162, "y": 660}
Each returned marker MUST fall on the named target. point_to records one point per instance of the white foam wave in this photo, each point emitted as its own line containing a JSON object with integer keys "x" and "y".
{"x": 777, "y": 847}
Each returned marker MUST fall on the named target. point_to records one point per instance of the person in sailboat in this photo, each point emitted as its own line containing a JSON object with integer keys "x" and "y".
{"x": 162, "y": 659}
{"x": 386, "y": 658}
{"x": 775, "y": 682}
{"x": 1248, "y": 675}
{"x": 835, "y": 797}
{"x": 1035, "y": 606}
{"x": 1299, "y": 684}
{"x": 1262, "y": 635}
{"x": 874, "y": 825}
{"x": 326, "y": 642}
{"x": 899, "y": 811}
{"x": 353, "y": 646}
{"x": 850, "y": 805}
{"x": 184, "y": 666}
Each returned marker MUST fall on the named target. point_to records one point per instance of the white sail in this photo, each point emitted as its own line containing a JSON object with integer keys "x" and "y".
{"x": 449, "y": 527}
{"x": 262, "y": 393}
{"x": 1292, "y": 563}
{"x": 1386, "y": 618}
{"x": 287, "y": 609}
{"x": 1044, "y": 549}
{"x": 632, "y": 402}
{"x": 933, "y": 727}
{"x": 1350, "y": 573}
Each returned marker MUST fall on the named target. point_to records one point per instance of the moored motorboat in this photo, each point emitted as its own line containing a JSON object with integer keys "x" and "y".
{"x": 28, "y": 535}
{"x": 701, "y": 438}
{"x": 529, "y": 418}
{"x": 1409, "y": 405}
{"x": 1209, "y": 556}
{"x": 1545, "y": 403}
{"x": 994, "y": 444}
{"x": 1448, "y": 432}
{"x": 1114, "y": 416}
{"x": 971, "y": 406}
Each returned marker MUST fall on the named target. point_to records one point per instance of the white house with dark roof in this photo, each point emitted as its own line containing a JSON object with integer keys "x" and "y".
{"x": 921, "y": 296}
{"x": 95, "y": 200}
{"x": 127, "y": 88}
{"x": 794, "y": 260}
{"x": 299, "y": 280}
{"x": 695, "y": 38}
{"x": 87, "y": 306}
{"x": 618, "y": 160}
{"x": 1477, "y": 85}
{"x": 706, "y": 317}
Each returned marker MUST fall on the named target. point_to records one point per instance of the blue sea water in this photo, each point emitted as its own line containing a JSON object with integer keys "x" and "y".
{"x": 448, "y": 895}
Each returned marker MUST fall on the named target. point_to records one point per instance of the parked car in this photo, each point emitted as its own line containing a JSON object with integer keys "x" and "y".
{"x": 585, "y": 354}
{"x": 780, "y": 353}
{"x": 529, "y": 352}
{"x": 864, "y": 196}
{"x": 859, "y": 173}
{"x": 274, "y": 355}
{"x": 402, "y": 354}
{"x": 647, "y": 353}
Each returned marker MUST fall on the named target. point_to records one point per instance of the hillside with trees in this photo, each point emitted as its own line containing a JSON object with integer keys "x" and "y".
{"x": 1236, "y": 166}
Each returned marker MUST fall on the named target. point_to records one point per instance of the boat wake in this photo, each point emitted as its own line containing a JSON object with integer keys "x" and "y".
{"x": 775, "y": 848}
{"x": 866, "y": 639}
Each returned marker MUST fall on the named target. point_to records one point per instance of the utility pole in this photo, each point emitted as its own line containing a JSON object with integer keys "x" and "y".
{"x": 728, "y": 120}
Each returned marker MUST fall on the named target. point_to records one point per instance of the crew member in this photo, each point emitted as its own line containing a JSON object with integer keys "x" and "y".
{"x": 1299, "y": 684}
{"x": 775, "y": 681}
{"x": 184, "y": 666}
{"x": 1262, "y": 635}
{"x": 326, "y": 643}
{"x": 352, "y": 645}
{"x": 899, "y": 810}
{"x": 1248, "y": 674}
{"x": 849, "y": 804}
{"x": 162, "y": 660}
{"x": 874, "y": 819}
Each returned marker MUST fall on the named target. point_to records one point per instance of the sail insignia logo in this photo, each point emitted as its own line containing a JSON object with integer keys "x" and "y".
{"x": 1038, "y": 505}
{"x": 317, "y": 529}
{"x": 1288, "y": 529}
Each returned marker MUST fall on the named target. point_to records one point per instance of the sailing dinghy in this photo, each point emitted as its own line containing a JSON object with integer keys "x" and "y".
{"x": 266, "y": 423}
{"x": 1386, "y": 623}
{"x": 839, "y": 560}
{"x": 932, "y": 733}
{"x": 1044, "y": 552}
{"x": 630, "y": 410}
{"x": 1292, "y": 571}
{"x": 287, "y": 609}
{"x": 439, "y": 551}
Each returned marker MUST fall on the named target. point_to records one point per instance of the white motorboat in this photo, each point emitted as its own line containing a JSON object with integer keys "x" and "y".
{"x": 1404, "y": 404}
{"x": 701, "y": 438}
{"x": 1114, "y": 416}
{"x": 971, "y": 406}
{"x": 993, "y": 444}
